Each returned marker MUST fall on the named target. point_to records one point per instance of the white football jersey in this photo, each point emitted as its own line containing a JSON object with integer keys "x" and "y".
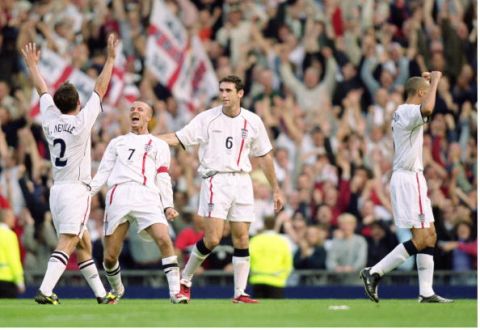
{"x": 69, "y": 138}
{"x": 407, "y": 127}
{"x": 226, "y": 142}
{"x": 140, "y": 158}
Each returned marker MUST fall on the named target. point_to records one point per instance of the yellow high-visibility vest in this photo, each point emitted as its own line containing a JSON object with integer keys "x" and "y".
{"x": 11, "y": 269}
{"x": 270, "y": 259}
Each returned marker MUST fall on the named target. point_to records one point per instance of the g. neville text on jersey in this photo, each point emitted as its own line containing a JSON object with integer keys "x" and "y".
{"x": 64, "y": 128}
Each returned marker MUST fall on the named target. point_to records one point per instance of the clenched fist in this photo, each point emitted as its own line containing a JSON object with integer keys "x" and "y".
{"x": 171, "y": 213}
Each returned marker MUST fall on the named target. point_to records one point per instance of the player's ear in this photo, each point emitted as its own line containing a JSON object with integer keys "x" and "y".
{"x": 240, "y": 93}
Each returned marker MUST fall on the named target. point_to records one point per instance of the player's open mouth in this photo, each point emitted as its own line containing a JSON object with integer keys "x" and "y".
{"x": 135, "y": 119}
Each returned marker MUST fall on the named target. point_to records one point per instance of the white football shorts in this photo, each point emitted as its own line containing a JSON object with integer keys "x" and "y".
{"x": 411, "y": 206}
{"x": 227, "y": 196}
{"x": 70, "y": 207}
{"x": 133, "y": 202}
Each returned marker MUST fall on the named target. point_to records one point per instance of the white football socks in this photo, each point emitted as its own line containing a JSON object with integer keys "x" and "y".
{"x": 391, "y": 260}
{"x": 172, "y": 272}
{"x": 194, "y": 261}
{"x": 55, "y": 268}
{"x": 90, "y": 273}
{"x": 241, "y": 268}
{"x": 425, "y": 266}
{"x": 114, "y": 278}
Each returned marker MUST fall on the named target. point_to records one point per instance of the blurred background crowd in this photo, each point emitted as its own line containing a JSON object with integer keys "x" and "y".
{"x": 324, "y": 75}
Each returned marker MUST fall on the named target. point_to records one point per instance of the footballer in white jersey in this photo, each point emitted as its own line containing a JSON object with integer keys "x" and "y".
{"x": 67, "y": 128}
{"x": 411, "y": 206}
{"x": 135, "y": 167}
{"x": 225, "y": 143}
{"x": 68, "y": 138}
{"x": 227, "y": 135}
{"x": 410, "y": 203}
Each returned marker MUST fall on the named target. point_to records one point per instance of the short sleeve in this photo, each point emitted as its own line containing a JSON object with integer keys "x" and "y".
{"x": 411, "y": 116}
{"x": 261, "y": 143}
{"x": 163, "y": 160}
{"x": 90, "y": 111}
{"x": 194, "y": 132}
{"x": 46, "y": 103}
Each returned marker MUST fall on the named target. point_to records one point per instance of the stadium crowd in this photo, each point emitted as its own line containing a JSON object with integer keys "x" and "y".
{"x": 325, "y": 77}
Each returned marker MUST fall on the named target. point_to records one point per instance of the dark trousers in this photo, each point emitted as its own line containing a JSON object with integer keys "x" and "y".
{"x": 8, "y": 290}
{"x": 267, "y": 291}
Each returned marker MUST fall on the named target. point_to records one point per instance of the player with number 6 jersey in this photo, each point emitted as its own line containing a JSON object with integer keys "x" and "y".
{"x": 227, "y": 135}
{"x": 230, "y": 140}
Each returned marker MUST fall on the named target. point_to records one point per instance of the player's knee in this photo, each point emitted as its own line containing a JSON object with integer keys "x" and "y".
{"x": 432, "y": 239}
{"x": 109, "y": 259}
{"x": 241, "y": 241}
{"x": 211, "y": 242}
{"x": 419, "y": 242}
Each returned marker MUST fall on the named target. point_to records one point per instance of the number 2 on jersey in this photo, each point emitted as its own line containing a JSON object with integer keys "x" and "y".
{"x": 59, "y": 162}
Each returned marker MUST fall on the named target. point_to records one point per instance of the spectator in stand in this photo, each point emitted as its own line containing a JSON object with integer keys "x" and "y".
{"x": 464, "y": 248}
{"x": 380, "y": 242}
{"x": 311, "y": 253}
{"x": 348, "y": 252}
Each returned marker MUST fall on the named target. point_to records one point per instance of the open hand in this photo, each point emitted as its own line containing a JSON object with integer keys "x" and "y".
{"x": 112, "y": 44}
{"x": 31, "y": 54}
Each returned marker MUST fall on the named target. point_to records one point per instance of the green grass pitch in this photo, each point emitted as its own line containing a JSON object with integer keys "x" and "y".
{"x": 222, "y": 313}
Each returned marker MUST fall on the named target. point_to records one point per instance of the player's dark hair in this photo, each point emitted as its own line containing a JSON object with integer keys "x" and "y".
{"x": 66, "y": 98}
{"x": 234, "y": 80}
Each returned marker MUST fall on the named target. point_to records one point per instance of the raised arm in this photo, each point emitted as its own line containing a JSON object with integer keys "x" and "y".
{"x": 101, "y": 85}
{"x": 32, "y": 57}
{"x": 266, "y": 163}
{"x": 429, "y": 103}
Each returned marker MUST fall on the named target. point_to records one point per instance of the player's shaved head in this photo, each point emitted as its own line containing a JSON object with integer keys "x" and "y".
{"x": 414, "y": 84}
{"x": 144, "y": 105}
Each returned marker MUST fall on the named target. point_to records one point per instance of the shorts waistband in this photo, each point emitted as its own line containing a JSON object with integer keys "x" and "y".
{"x": 213, "y": 173}
{"x": 401, "y": 170}
{"x": 69, "y": 182}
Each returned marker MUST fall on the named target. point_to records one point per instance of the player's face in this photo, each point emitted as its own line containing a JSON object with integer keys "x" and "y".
{"x": 139, "y": 115}
{"x": 229, "y": 94}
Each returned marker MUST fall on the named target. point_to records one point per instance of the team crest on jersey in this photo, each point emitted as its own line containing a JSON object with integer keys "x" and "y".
{"x": 244, "y": 133}
{"x": 148, "y": 147}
